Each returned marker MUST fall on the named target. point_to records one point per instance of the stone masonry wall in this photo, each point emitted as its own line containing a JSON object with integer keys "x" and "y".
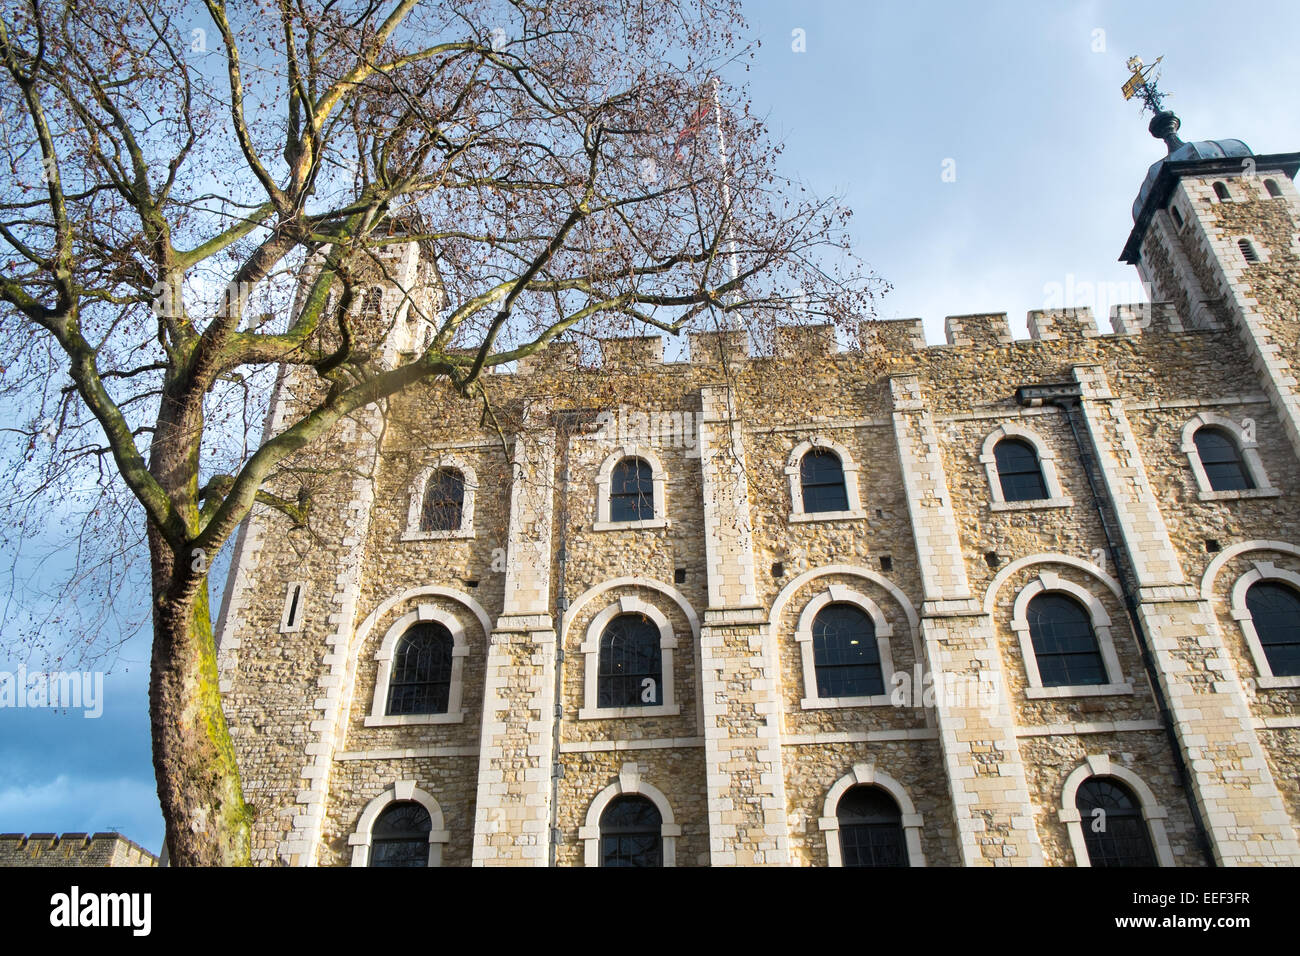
{"x": 72, "y": 849}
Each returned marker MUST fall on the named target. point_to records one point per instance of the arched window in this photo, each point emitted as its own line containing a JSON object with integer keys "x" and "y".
{"x": 1273, "y": 189}
{"x": 631, "y": 493}
{"x": 1018, "y": 471}
{"x": 631, "y": 833}
{"x": 871, "y": 828}
{"x": 1247, "y": 250}
{"x": 821, "y": 476}
{"x": 1275, "y": 612}
{"x": 1221, "y": 460}
{"x": 631, "y": 664}
{"x": 444, "y": 498}
{"x": 421, "y": 675}
{"x": 400, "y": 836}
{"x": 1065, "y": 646}
{"x": 1221, "y": 191}
{"x": 1114, "y": 830}
{"x": 1178, "y": 216}
{"x": 1224, "y": 458}
{"x": 845, "y": 653}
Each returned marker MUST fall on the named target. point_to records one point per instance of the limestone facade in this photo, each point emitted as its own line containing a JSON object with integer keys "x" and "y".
{"x": 743, "y": 759}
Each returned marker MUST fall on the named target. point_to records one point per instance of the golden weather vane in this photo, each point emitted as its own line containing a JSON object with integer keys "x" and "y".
{"x": 1143, "y": 84}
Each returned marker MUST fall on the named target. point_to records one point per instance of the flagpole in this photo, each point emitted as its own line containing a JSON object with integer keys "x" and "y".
{"x": 726, "y": 188}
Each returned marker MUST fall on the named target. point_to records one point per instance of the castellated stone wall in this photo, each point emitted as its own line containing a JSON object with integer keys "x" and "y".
{"x": 744, "y": 758}
{"x": 72, "y": 849}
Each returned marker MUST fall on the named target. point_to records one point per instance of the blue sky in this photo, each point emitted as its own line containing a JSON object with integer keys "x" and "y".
{"x": 1047, "y": 159}
{"x": 1047, "y": 154}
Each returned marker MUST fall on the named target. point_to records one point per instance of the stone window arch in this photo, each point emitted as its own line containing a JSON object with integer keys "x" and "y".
{"x": 1055, "y": 497}
{"x": 864, "y": 774}
{"x": 1049, "y": 582}
{"x": 1246, "y": 446}
{"x": 591, "y": 648}
{"x": 1262, "y": 573}
{"x": 842, "y": 594}
{"x": 605, "y": 479}
{"x": 455, "y": 713}
{"x": 1100, "y": 765}
{"x": 403, "y": 791}
{"x": 794, "y": 473}
{"x": 629, "y": 783}
{"x": 1272, "y": 188}
{"x": 1221, "y": 192}
{"x": 419, "y": 493}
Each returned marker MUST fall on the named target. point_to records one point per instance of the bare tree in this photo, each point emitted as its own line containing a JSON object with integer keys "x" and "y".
{"x": 199, "y": 196}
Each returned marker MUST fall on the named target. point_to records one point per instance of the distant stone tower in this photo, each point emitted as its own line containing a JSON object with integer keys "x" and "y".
{"x": 993, "y": 602}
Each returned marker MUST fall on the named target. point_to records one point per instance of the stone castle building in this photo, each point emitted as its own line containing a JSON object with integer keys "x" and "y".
{"x": 991, "y": 602}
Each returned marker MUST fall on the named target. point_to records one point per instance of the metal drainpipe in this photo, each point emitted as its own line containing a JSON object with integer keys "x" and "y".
{"x": 1067, "y": 397}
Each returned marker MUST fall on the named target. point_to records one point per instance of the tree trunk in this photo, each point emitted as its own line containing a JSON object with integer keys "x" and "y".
{"x": 208, "y": 823}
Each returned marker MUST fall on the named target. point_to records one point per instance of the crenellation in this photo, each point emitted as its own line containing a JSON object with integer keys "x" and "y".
{"x": 1046, "y": 325}
{"x": 806, "y": 340}
{"x": 1145, "y": 318}
{"x": 729, "y": 346}
{"x": 982, "y": 330}
{"x": 891, "y": 336}
{"x": 635, "y": 351}
{"x": 556, "y": 358}
{"x": 72, "y": 849}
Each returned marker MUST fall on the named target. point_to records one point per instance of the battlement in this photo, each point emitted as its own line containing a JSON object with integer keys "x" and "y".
{"x": 713, "y": 348}
{"x": 987, "y": 329}
{"x": 893, "y": 336}
{"x": 1145, "y": 317}
{"x": 72, "y": 849}
{"x": 635, "y": 351}
{"x": 806, "y": 340}
{"x": 1048, "y": 325}
{"x": 555, "y": 357}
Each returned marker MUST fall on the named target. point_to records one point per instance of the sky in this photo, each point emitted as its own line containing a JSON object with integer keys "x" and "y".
{"x": 1022, "y": 101}
{"x": 1017, "y": 103}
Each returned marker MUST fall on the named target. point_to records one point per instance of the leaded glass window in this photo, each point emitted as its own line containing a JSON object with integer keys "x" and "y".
{"x": 1019, "y": 473}
{"x": 1065, "y": 645}
{"x": 444, "y": 497}
{"x": 821, "y": 476}
{"x": 421, "y": 672}
{"x": 632, "y": 491}
{"x": 1221, "y": 460}
{"x": 630, "y": 670}
{"x": 1113, "y": 827}
{"x": 630, "y": 833}
{"x": 845, "y": 653}
{"x": 1275, "y": 612}
{"x": 871, "y": 828}
{"x": 400, "y": 836}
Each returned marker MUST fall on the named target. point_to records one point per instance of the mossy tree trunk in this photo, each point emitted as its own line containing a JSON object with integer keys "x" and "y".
{"x": 208, "y": 823}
